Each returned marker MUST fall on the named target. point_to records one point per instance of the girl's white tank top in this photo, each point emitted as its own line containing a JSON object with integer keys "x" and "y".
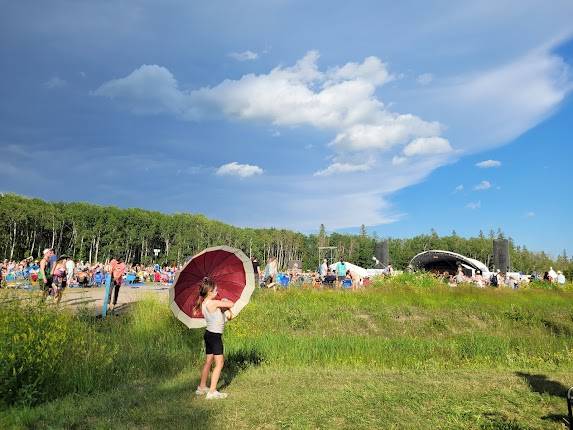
{"x": 215, "y": 320}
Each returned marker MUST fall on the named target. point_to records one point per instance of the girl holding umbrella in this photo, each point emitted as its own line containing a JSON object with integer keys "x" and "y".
{"x": 219, "y": 271}
{"x": 212, "y": 310}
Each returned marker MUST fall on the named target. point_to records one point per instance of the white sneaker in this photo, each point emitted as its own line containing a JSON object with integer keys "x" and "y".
{"x": 200, "y": 391}
{"x": 215, "y": 395}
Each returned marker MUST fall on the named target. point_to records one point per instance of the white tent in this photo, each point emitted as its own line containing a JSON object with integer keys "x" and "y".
{"x": 360, "y": 271}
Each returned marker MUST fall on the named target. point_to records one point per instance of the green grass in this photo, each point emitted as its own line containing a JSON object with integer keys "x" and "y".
{"x": 405, "y": 353}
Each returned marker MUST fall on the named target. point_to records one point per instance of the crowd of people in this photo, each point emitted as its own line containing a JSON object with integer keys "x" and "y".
{"x": 67, "y": 272}
{"x": 498, "y": 279}
{"x": 335, "y": 275}
{"x": 73, "y": 273}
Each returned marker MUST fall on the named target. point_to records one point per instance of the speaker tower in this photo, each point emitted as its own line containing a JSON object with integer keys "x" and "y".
{"x": 501, "y": 255}
{"x": 382, "y": 252}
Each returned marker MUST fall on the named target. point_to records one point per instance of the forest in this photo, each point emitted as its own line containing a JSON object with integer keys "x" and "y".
{"x": 93, "y": 233}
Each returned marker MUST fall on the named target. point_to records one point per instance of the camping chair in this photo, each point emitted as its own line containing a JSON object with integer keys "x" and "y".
{"x": 328, "y": 282}
{"x": 283, "y": 280}
{"x": 130, "y": 278}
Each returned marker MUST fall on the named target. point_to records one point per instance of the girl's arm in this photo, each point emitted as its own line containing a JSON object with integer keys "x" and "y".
{"x": 225, "y": 303}
{"x": 222, "y": 304}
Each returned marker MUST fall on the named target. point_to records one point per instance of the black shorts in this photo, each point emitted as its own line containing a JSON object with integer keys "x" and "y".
{"x": 213, "y": 343}
{"x": 46, "y": 285}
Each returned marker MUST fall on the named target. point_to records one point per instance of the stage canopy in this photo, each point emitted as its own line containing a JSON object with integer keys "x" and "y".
{"x": 442, "y": 261}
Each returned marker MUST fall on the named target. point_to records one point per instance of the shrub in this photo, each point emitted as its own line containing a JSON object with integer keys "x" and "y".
{"x": 39, "y": 348}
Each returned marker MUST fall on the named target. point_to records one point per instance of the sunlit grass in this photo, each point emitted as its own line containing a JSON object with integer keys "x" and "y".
{"x": 400, "y": 336}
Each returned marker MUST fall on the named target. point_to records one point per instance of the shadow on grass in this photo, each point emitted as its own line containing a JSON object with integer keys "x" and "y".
{"x": 237, "y": 361}
{"x": 557, "y": 418}
{"x": 540, "y": 384}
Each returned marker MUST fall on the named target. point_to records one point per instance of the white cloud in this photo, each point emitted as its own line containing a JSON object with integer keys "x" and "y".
{"x": 425, "y": 78}
{"x": 151, "y": 89}
{"x": 459, "y": 188}
{"x": 241, "y": 170}
{"x": 427, "y": 146}
{"x": 343, "y": 168}
{"x": 508, "y": 99}
{"x": 530, "y": 214}
{"x": 371, "y": 70}
{"x": 483, "y": 185}
{"x": 488, "y": 164}
{"x": 55, "y": 82}
{"x": 340, "y": 99}
{"x": 474, "y": 205}
{"x": 244, "y": 56}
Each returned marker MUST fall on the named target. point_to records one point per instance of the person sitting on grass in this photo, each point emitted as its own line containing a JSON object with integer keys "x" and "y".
{"x": 215, "y": 318}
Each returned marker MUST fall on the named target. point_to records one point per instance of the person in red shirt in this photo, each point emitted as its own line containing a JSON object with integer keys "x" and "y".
{"x": 117, "y": 270}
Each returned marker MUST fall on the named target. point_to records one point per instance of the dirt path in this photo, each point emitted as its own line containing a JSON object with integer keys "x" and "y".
{"x": 93, "y": 297}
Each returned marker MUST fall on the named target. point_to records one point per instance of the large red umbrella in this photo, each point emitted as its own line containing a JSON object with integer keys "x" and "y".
{"x": 229, "y": 268}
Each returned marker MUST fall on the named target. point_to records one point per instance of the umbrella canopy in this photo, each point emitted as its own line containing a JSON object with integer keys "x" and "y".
{"x": 229, "y": 268}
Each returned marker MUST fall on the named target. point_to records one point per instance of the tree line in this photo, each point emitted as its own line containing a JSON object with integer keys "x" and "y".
{"x": 95, "y": 233}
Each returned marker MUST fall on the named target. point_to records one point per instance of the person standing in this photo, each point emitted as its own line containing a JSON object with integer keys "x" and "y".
{"x": 341, "y": 270}
{"x": 117, "y": 270}
{"x": 45, "y": 271}
{"x": 59, "y": 278}
{"x": 215, "y": 318}
{"x": 256, "y": 269}
{"x": 324, "y": 268}
{"x": 70, "y": 267}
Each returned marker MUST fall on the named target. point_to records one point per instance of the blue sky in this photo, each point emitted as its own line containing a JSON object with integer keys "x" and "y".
{"x": 292, "y": 114}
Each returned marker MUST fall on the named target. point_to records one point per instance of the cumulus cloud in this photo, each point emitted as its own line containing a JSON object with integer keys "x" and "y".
{"x": 474, "y": 205}
{"x": 427, "y": 146}
{"x": 425, "y": 78}
{"x": 459, "y": 188}
{"x": 483, "y": 185}
{"x": 341, "y": 99}
{"x": 343, "y": 168}
{"x": 55, "y": 82}
{"x": 150, "y": 89}
{"x": 244, "y": 56}
{"x": 529, "y": 214}
{"x": 487, "y": 164}
{"x": 240, "y": 170}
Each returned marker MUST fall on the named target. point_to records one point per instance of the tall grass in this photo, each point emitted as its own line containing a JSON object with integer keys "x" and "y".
{"x": 409, "y": 322}
{"x": 46, "y": 352}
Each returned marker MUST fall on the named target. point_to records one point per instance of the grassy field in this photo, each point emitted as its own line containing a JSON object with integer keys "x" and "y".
{"x": 405, "y": 353}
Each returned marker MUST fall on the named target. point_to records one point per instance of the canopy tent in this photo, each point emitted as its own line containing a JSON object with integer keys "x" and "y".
{"x": 446, "y": 261}
{"x": 360, "y": 271}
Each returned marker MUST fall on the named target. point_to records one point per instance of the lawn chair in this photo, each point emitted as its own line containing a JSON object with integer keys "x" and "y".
{"x": 347, "y": 283}
{"x": 130, "y": 278}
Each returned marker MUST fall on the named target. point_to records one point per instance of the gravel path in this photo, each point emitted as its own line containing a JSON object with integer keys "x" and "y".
{"x": 93, "y": 297}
